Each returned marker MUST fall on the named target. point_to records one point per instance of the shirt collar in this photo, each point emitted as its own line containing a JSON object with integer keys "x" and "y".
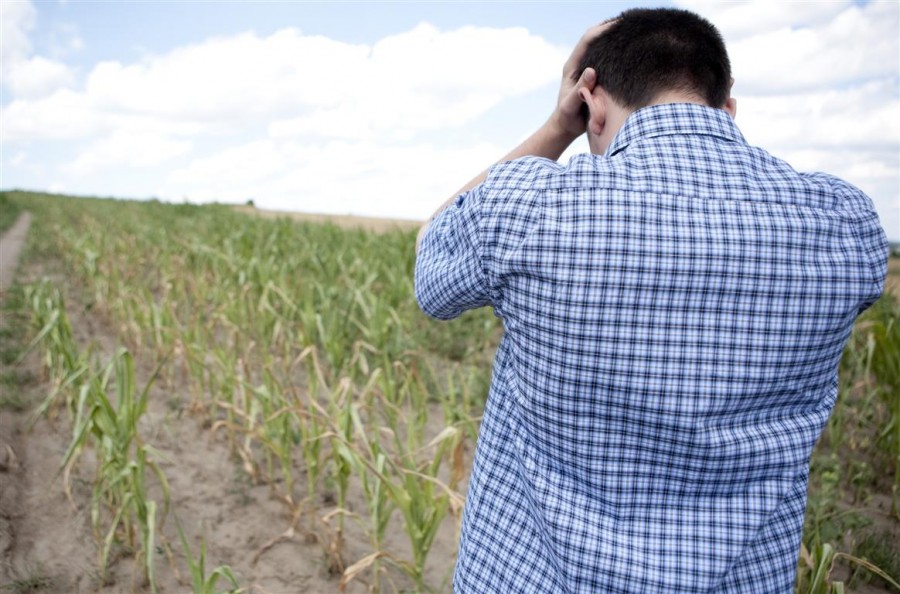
{"x": 674, "y": 118}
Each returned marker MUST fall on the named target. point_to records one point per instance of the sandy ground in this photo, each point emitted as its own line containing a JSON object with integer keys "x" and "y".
{"x": 47, "y": 539}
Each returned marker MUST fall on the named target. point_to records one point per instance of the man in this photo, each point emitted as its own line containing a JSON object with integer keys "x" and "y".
{"x": 675, "y": 305}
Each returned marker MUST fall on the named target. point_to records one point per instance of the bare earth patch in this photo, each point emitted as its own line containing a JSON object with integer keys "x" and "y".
{"x": 46, "y": 540}
{"x": 10, "y": 246}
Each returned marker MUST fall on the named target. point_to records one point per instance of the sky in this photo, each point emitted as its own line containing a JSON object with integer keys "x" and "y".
{"x": 386, "y": 109}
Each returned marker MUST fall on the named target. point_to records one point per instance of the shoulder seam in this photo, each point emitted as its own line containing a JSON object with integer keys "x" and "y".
{"x": 496, "y": 300}
{"x": 851, "y": 221}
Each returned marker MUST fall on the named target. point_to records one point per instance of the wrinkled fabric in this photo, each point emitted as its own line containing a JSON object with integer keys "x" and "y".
{"x": 674, "y": 314}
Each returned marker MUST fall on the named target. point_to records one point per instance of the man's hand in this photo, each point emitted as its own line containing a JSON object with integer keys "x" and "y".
{"x": 568, "y": 116}
{"x": 566, "y": 123}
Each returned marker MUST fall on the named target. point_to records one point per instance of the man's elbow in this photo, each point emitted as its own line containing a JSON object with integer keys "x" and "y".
{"x": 432, "y": 309}
{"x": 430, "y": 303}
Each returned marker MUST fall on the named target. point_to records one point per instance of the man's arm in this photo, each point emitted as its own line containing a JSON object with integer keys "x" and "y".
{"x": 565, "y": 124}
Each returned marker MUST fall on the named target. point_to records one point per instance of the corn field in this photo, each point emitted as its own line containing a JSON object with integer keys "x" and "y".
{"x": 300, "y": 347}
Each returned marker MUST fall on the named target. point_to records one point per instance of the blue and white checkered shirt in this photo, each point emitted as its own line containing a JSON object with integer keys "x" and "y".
{"x": 674, "y": 315}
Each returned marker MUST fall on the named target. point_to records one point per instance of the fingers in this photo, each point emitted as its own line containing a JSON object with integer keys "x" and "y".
{"x": 587, "y": 80}
{"x": 581, "y": 47}
{"x": 583, "y": 88}
{"x": 577, "y": 87}
{"x": 596, "y": 30}
{"x": 584, "y": 94}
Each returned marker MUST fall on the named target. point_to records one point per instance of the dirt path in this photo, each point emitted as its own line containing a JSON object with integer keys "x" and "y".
{"x": 10, "y": 246}
{"x": 10, "y": 435}
{"x": 44, "y": 540}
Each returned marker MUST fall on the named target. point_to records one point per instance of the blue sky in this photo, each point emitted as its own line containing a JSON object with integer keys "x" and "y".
{"x": 385, "y": 109}
{"x": 120, "y": 28}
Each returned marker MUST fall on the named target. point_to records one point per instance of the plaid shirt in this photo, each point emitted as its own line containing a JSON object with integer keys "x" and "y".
{"x": 674, "y": 312}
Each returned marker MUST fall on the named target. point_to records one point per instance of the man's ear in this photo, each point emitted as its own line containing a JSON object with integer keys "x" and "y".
{"x": 731, "y": 107}
{"x": 730, "y": 103}
{"x": 596, "y": 104}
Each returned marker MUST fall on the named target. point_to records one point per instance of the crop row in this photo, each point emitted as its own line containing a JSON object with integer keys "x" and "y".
{"x": 302, "y": 347}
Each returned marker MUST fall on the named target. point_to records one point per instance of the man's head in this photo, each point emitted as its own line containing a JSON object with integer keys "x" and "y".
{"x": 647, "y": 52}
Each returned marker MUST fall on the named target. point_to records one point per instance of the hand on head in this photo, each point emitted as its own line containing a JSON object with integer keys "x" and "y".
{"x": 569, "y": 115}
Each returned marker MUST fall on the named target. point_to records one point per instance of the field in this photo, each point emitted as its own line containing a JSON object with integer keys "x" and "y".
{"x": 344, "y": 221}
{"x": 892, "y": 283}
{"x": 198, "y": 399}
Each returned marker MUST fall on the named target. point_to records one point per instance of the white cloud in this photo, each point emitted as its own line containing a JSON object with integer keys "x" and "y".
{"x": 423, "y": 79}
{"x": 19, "y": 159}
{"x": 16, "y": 19}
{"x": 37, "y": 77}
{"x": 26, "y": 76}
{"x": 234, "y": 78}
{"x": 63, "y": 40}
{"x": 128, "y": 149}
{"x": 20, "y": 162}
{"x": 426, "y": 79}
{"x": 362, "y": 176}
{"x": 309, "y": 88}
{"x": 739, "y": 19}
{"x": 248, "y": 163}
{"x": 860, "y": 43}
{"x": 307, "y": 122}
{"x": 865, "y": 116}
{"x": 65, "y": 114}
{"x": 70, "y": 115}
{"x": 778, "y": 47}
{"x": 874, "y": 171}
{"x": 818, "y": 84}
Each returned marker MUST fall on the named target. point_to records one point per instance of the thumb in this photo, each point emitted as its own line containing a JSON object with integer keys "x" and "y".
{"x": 584, "y": 84}
{"x": 584, "y": 94}
{"x": 588, "y": 78}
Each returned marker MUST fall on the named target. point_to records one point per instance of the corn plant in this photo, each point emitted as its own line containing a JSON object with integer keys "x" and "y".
{"x": 815, "y": 568}
{"x": 886, "y": 366}
{"x": 422, "y": 498}
{"x": 380, "y": 507}
{"x": 201, "y": 582}
{"x": 121, "y": 508}
{"x": 303, "y": 344}
{"x": 370, "y": 463}
{"x": 64, "y": 363}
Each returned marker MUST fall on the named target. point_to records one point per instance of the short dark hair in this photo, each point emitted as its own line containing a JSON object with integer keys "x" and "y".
{"x": 650, "y": 50}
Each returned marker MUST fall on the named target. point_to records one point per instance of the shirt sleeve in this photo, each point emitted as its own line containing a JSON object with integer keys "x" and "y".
{"x": 449, "y": 275}
{"x": 874, "y": 248}
{"x": 871, "y": 241}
